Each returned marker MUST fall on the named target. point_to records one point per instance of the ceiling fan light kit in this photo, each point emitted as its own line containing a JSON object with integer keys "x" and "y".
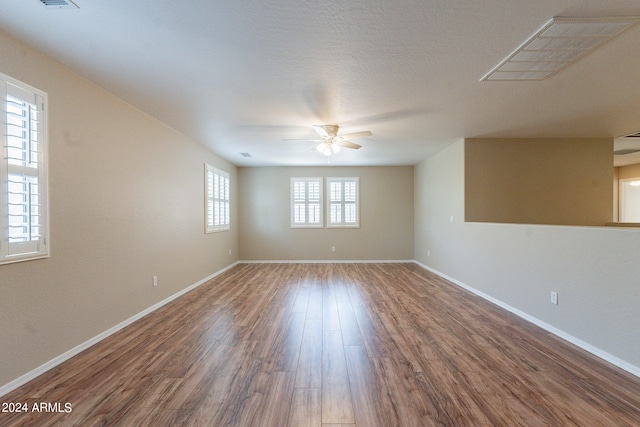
{"x": 327, "y": 148}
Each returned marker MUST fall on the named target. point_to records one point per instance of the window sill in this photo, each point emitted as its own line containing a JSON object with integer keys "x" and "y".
{"x": 12, "y": 259}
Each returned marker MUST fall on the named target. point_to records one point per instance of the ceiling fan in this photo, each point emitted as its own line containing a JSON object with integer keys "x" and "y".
{"x": 331, "y": 142}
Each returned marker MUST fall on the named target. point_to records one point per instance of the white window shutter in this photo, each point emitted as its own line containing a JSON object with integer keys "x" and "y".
{"x": 344, "y": 199}
{"x": 23, "y": 173}
{"x": 217, "y": 209}
{"x": 306, "y": 202}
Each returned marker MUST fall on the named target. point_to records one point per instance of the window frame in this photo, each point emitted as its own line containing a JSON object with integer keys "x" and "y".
{"x": 306, "y": 202}
{"x": 34, "y": 171}
{"x": 343, "y": 203}
{"x": 213, "y": 222}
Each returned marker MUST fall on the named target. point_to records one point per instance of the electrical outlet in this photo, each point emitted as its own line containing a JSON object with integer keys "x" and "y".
{"x": 428, "y": 253}
{"x": 554, "y": 297}
{"x": 229, "y": 251}
{"x": 333, "y": 248}
{"x": 155, "y": 281}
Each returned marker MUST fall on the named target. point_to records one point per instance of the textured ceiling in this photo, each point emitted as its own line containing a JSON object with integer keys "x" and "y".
{"x": 241, "y": 76}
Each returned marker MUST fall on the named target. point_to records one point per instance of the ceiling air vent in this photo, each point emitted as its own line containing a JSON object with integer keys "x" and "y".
{"x": 557, "y": 44}
{"x": 628, "y": 144}
{"x": 59, "y": 4}
{"x": 626, "y": 151}
{"x": 633, "y": 135}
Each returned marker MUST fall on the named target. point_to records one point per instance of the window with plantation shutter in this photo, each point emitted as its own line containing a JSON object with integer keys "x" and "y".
{"x": 306, "y": 202}
{"x": 343, "y": 205}
{"x": 24, "y": 227}
{"x": 216, "y": 200}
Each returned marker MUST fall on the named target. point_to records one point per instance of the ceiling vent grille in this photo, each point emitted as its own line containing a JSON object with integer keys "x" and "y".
{"x": 626, "y": 151}
{"x": 627, "y": 144}
{"x": 59, "y": 4}
{"x": 557, "y": 44}
{"x": 633, "y": 135}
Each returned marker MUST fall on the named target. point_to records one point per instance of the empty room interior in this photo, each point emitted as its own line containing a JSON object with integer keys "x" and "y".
{"x": 354, "y": 213}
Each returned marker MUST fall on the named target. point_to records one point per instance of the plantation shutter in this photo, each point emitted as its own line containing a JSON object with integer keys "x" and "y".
{"x": 306, "y": 202}
{"x": 217, "y": 215}
{"x": 23, "y": 220}
{"x": 343, "y": 202}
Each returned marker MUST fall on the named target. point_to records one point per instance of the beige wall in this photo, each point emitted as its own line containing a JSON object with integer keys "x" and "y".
{"x": 539, "y": 181}
{"x": 386, "y": 216}
{"x": 630, "y": 171}
{"x": 126, "y": 203}
{"x": 595, "y": 270}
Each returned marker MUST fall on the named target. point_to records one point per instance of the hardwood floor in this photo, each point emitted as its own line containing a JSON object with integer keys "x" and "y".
{"x": 329, "y": 345}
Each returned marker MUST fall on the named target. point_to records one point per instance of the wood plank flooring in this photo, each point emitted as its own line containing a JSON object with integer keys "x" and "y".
{"x": 327, "y": 345}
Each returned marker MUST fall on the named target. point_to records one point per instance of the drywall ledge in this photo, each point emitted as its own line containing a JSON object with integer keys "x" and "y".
{"x": 9, "y": 387}
{"x": 632, "y": 369}
{"x": 624, "y": 224}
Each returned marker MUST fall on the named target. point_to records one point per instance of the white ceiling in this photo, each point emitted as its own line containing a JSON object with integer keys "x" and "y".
{"x": 241, "y": 75}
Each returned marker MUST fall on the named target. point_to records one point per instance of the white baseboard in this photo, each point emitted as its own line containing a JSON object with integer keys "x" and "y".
{"x": 85, "y": 345}
{"x": 632, "y": 369}
{"x": 327, "y": 261}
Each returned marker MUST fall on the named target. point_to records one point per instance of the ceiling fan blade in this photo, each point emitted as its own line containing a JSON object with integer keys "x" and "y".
{"x": 320, "y": 131}
{"x": 357, "y": 135}
{"x": 348, "y": 144}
